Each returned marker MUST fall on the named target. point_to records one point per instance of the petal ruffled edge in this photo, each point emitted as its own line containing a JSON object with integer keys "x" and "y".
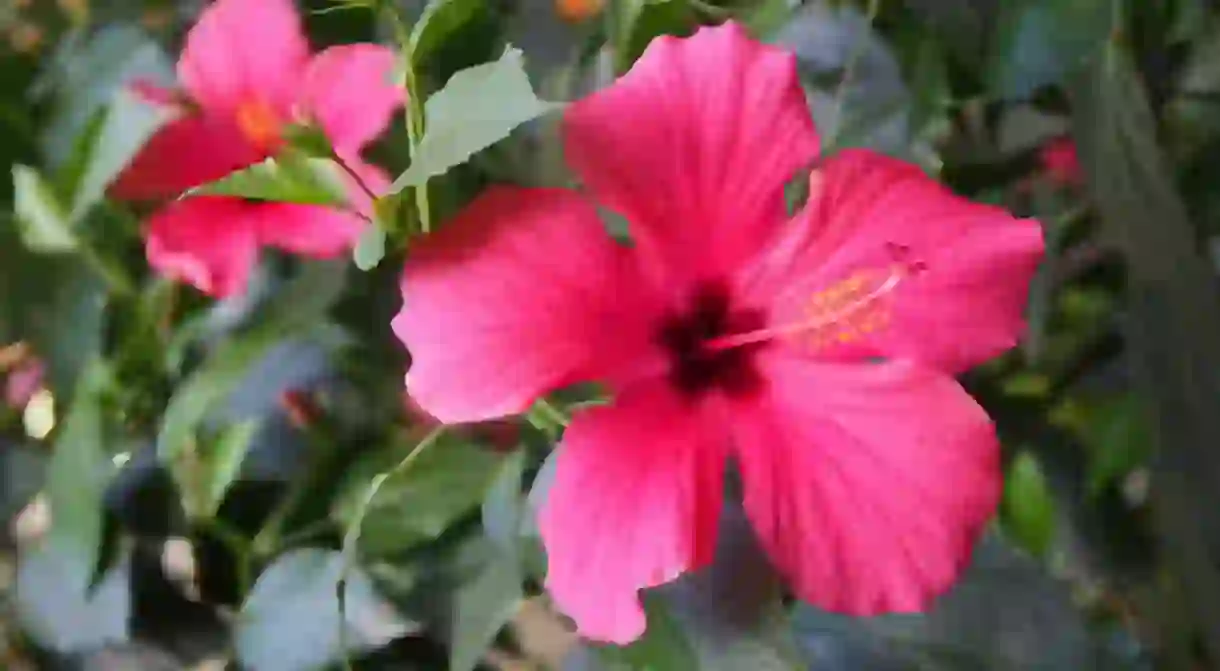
{"x": 635, "y": 503}
{"x": 890, "y": 263}
{"x": 206, "y": 242}
{"x": 867, "y": 484}
{"x": 718, "y": 124}
{"x": 244, "y": 50}
{"x": 349, "y": 92}
{"x": 519, "y": 294}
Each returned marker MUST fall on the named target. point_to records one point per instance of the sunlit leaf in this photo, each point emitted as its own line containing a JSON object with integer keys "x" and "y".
{"x": 478, "y": 107}
{"x": 206, "y": 476}
{"x": 370, "y": 248}
{"x": 289, "y": 177}
{"x": 42, "y": 221}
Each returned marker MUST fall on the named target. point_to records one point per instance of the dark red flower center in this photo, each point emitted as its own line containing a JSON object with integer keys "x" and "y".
{"x": 694, "y": 367}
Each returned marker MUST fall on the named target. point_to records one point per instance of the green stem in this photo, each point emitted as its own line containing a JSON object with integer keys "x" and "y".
{"x": 351, "y": 172}
{"x": 552, "y": 413}
{"x": 115, "y": 277}
{"x": 413, "y": 114}
{"x": 352, "y": 537}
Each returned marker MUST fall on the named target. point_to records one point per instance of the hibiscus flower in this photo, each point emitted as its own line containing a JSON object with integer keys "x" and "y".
{"x": 246, "y": 74}
{"x": 1061, "y": 162}
{"x": 816, "y": 351}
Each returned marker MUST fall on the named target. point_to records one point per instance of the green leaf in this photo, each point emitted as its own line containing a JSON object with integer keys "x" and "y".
{"x": 42, "y": 222}
{"x": 76, "y": 480}
{"x": 370, "y": 248}
{"x": 1004, "y": 612}
{"x": 481, "y": 609}
{"x": 129, "y": 124}
{"x": 1174, "y": 328}
{"x": 504, "y": 507}
{"x": 63, "y": 615}
{"x": 300, "y": 306}
{"x": 206, "y": 476}
{"x": 732, "y": 612}
{"x": 634, "y": 24}
{"x": 289, "y": 177}
{"x": 1040, "y": 42}
{"x": 1029, "y": 508}
{"x": 440, "y": 19}
{"x": 1119, "y": 439}
{"x": 290, "y": 621}
{"x": 478, "y": 107}
{"x": 85, "y": 75}
{"x": 447, "y": 482}
{"x": 68, "y": 327}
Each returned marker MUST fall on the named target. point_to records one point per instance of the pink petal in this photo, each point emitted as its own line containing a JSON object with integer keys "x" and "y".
{"x": 894, "y": 264}
{"x": 693, "y": 147}
{"x": 23, "y": 382}
{"x": 867, "y": 484}
{"x": 635, "y": 503}
{"x": 322, "y": 232}
{"x": 349, "y": 91}
{"x": 1061, "y": 161}
{"x": 190, "y": 151}
{"x": 519, "y": 294}
{"x": 207, "y": 242}
{"x": 245, "y": 50}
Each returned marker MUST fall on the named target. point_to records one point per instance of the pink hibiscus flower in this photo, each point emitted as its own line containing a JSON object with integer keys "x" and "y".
{"x": 1060, "y": 161}
{"x": 817, "y": 352}
{"x": 246, "y": 74}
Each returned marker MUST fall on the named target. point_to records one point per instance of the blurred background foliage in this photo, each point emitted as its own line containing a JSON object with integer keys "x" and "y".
{"x": 203, "y": 463}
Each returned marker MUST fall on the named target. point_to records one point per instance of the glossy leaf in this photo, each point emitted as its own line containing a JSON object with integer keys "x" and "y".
{"x": 478, "y": 107}
{"x": 636, "y": 22}
{"x": 1028, "y": 509}
{"x": 440, "y": 20}
{"x": 289, "y": 177}
{"x": 214, "y": 467}
{"x": 448, "y": 481}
